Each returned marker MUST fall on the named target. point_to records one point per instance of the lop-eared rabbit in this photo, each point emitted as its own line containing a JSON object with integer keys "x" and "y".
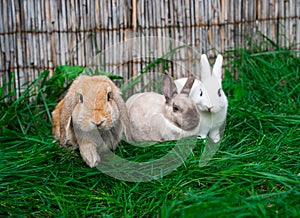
{"x": 93, "y": 116}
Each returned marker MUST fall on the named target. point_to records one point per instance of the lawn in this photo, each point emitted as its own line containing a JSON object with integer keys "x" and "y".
{"x": 255, "y": 172}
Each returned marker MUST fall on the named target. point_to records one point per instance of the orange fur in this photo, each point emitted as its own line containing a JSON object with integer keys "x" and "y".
{"x": 56, "y": 119}
{"x": 92, "y": 108}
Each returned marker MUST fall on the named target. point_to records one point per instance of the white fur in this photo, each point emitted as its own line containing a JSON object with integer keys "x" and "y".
{"x": 211, "y": 106}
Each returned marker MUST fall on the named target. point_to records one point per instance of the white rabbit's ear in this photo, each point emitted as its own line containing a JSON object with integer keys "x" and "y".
{"x": 168, "y": 87}
{"x": 205, "y": 67}
{"x": 217, "y": 69}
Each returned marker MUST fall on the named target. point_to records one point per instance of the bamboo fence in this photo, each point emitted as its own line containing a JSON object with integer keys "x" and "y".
{"x": 39, "y": 35}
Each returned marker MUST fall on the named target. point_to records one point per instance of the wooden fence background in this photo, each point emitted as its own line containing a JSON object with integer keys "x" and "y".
{"x": 38, "y": 35}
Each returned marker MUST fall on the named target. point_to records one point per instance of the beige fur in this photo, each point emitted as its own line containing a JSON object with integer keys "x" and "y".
{"x": 56, "y": 119}
{"x": 156, "y": 117}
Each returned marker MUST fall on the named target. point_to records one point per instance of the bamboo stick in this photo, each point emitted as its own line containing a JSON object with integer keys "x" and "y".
{"x": 70, "y": 39}
{"x": 6, "y": 37}
{"x": 54, "y": 36}
{"x": 74, "y": 45}
{"x": 290, "y": 11}
{"x": 115, "y": 26}
{"x": 48, "y": 28}
{"x": 298, "y": 25}
{"x": 2, "y": 43}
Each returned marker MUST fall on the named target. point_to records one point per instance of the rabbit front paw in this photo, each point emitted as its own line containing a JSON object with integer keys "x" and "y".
{"x": 89, "y": 154}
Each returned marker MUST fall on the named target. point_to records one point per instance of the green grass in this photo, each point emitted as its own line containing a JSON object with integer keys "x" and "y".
{"x": 256, "y": 171}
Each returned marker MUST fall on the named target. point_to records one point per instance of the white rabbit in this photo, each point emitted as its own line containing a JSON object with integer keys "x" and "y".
{"x": 209, "y": 97}
{"x": 156, "y": 117}
{"x": 92, "y": 115}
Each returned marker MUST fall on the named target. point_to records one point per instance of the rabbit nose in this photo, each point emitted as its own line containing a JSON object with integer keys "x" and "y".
{"x": 209, "y": 108}
{"x": 99, "y": 125}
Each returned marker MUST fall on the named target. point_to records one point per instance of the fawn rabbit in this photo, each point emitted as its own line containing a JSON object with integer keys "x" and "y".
{"x": 92, "y": 115}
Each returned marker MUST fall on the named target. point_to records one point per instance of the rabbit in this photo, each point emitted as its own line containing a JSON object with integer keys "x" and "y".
{"x": 92, "y": 115}
{"x": 211, "y": 100}
{"x": 156, "y": 117}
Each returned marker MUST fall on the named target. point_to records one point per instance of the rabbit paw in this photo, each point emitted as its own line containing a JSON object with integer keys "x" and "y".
{"x": 215, "y": 136}
{"x": 89, "y": 154}
{"x": 201, "y": 136}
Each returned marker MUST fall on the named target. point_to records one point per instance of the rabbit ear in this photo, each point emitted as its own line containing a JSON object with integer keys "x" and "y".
{"x": 66, "y": 128}
{"x": 217, "y": 69}
{"x": 167, "y": 72}
{"x": 188, "y": 85}
{"x": 70, "y": 101}
{"x": 124, "y": 117}
{"x": 168, "y": 87}
{"x": 56, "y": 119}
{"x": 205, "y": 67}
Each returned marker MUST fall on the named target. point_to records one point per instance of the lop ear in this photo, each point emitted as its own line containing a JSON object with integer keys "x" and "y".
{"x": 56, "y": 119}
{"x": 168, "y": 87}
{"x": 188, "y": 85}
{"x": 68, "y": 104}
{"x": 66, "y": 126}
{"x": 205, "y": 67}
{"x": 217, "y": 69}
{"x": 124, "y": 117}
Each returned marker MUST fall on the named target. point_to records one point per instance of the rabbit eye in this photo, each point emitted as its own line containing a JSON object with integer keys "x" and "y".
{"x": 109, "y": 96}
{"x": 201, "y": 92}
{"x": 80, "y": 98}
{"x": 175, "y": 108}
{"x": 219, "y": 92}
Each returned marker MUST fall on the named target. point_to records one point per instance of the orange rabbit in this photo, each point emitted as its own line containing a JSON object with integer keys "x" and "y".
{"x": 93, "y": 116}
